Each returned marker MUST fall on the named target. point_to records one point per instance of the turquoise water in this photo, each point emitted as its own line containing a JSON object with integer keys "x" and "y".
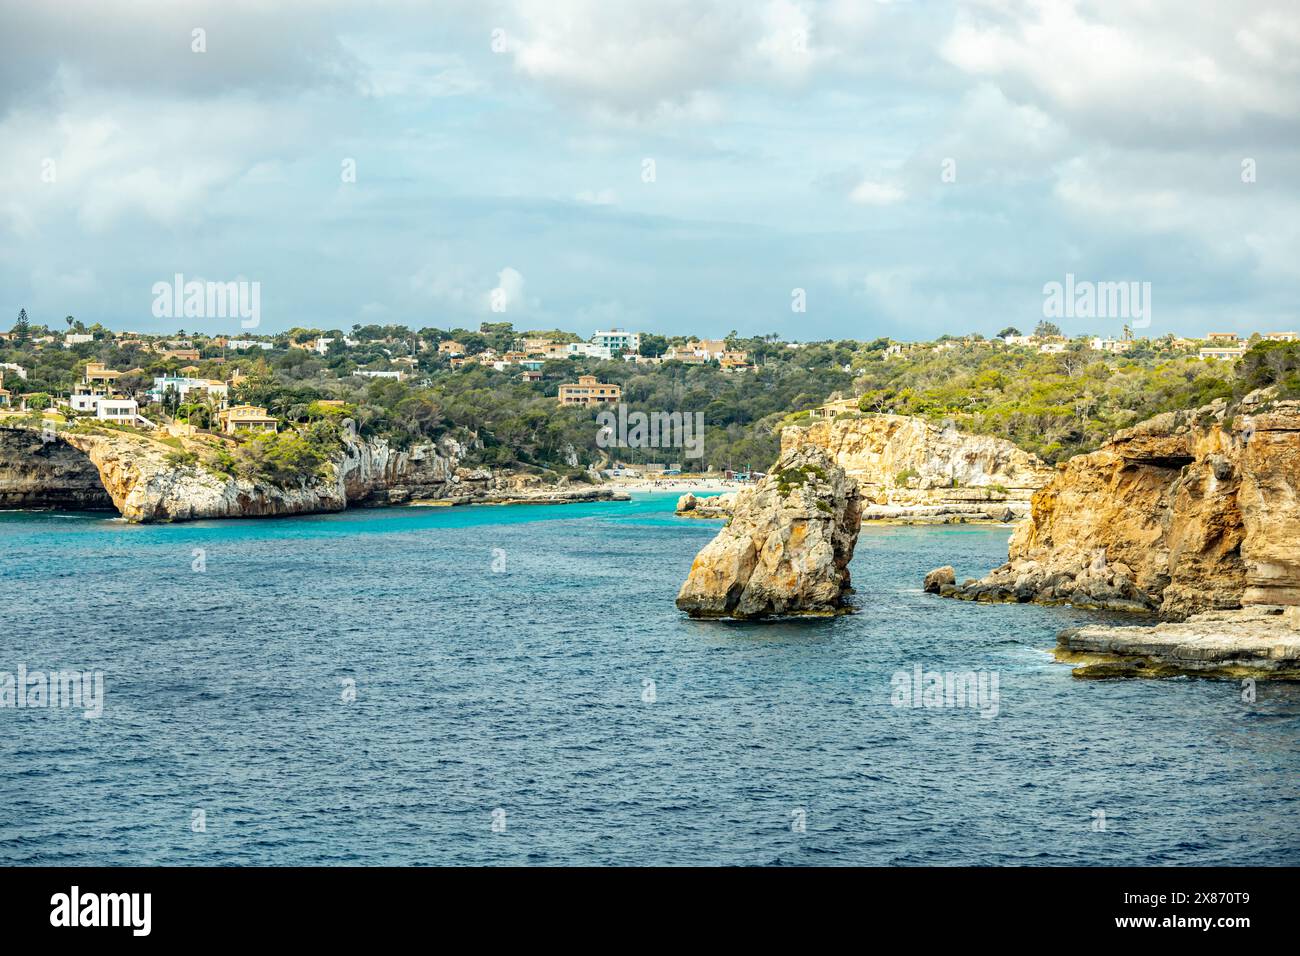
{"x": 500, "y": 659}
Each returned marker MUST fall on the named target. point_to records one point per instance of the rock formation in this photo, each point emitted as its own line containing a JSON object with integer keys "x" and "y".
{"x": 909, "y": 469}
{"x": 1184, "y": 513}
{"x": 146, "y": 487}
{"x": 1252, "y": 642}
{"x": 40, "y": 474}
{"x": 138, "y": 476}
{"x": 787, "y": 547}
{"x": 708, "y": 506}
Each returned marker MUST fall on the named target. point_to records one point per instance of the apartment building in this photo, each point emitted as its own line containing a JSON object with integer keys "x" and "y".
{"x": 617, "y": 341}
{"x": 588, "y": 391}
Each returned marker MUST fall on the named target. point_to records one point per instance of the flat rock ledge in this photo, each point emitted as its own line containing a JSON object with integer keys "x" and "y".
{"x": 1260, "y": 642}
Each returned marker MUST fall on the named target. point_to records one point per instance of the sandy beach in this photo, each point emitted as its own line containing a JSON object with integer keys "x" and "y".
{"x": 678, "y": 484}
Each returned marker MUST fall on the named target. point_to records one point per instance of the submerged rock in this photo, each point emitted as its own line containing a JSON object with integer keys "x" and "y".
{"x": 787, "y": 547}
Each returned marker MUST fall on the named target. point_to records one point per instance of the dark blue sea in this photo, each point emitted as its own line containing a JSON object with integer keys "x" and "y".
{"x": 515, "y": 686}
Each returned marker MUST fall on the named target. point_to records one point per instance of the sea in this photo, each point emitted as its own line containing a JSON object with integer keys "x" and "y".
{"x": 514, "y": 685}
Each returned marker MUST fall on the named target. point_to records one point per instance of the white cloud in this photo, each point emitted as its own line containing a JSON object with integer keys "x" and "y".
{"x": 508, "y": 296}
{"x": 104, "y": 159}
{"x": 1145, "y": 74}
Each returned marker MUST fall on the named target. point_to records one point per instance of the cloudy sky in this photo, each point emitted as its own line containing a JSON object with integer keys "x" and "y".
{"x": 677, "y": 166}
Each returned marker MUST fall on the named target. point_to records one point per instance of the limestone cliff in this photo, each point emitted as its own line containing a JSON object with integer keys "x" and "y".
{"x": 1184, "y": 513}
{"x": 144, "y": 486}
{"x": 787, "y": 547}
{"x": 901, "y": 462}
{"x": 39, "y": 474}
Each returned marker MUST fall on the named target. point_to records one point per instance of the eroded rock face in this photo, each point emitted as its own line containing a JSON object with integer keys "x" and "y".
{"x": 1185, "y": 513}
{"x": 36, "y": 474}
{"x": 145, "y": 487}
{"x": 903, "y": 462}
{"x": 787, "y": 547}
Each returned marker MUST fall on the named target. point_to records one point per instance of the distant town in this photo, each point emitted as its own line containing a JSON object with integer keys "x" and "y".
{"x": 178, "y": 369}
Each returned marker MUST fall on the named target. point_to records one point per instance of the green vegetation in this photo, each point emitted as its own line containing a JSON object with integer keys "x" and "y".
{"x": 289, "y": 460}
{"x": 1053, "y": 404}
{"x": 790, "y": 478}
{"x": 182, "y": 459}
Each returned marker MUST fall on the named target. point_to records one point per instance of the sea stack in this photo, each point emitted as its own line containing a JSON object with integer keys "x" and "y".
{"x": 787, "y": 548}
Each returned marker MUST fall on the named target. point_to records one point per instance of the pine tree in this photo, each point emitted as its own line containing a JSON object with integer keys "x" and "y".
{"x": 23, "y": 329}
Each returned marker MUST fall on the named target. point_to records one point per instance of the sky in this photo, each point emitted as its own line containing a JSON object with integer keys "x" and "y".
{"x": 901, "y": 169}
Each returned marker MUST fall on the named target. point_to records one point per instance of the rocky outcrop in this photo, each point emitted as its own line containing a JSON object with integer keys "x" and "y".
{"x": 1184, "y": 513}
{"x": 905, "y": 465}
{"x": 1253, "y": 642}
{"x": 707, "y": 506}
{"x": 147, "y": 485}
{"x": 938, "y": 579}
{"x": 787, "y": 547}
{"x": 37, "y": 473}
{"x": 147, "y": 480}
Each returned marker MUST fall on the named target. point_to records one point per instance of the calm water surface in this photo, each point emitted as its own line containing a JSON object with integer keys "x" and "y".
{"x": 523, "y": 689}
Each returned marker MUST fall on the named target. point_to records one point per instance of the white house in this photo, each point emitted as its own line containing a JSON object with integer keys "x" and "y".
{"x": 589, "y": 350}
{"x": 1098, "y": 344}
{"x": 242, "y": 344}
{"x": 617, "y": 341}
{"x": 123, "y": 410}
{"x": 182, "y": 385}
{"x": 399, "y": 376}
{"x": 76, "y": 338}
{"x": 1225, "y": 353}
{"x": 15, "y": 368}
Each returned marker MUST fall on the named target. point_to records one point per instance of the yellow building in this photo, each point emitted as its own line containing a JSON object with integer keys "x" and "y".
{"x": 588, "y": 391}
{"x": 245, "y": 418}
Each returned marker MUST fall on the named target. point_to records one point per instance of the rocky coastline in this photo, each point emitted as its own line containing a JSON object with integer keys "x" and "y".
{"x": 912, "y": 472}
{"x": 1192, "y": 518}
{"x": 1184, "y": 513}
{"x": 137, "y": 476}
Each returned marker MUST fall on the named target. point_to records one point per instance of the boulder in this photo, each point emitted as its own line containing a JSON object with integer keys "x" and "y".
{"x": 936, "y": 579}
